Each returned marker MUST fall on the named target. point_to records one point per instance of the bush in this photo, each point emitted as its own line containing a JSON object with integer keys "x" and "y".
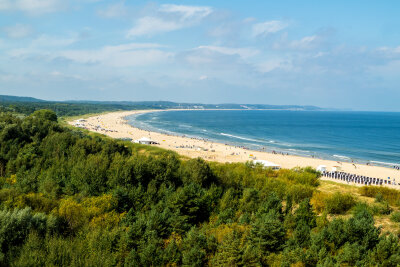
{"x": 267, "y": 233}
{"x": 318, "y": 201}
{"x": 15, "y": 226}
{"x": 395, "y": 216}
{"x": 73, "y": 213}
{"x": 379, "y": 198}
{"x": 390, "y": 195}
{"x": 381, "y": 208}
{"x": 299, "y": 192}
{"x": 339, "y": 203}
{"x": 180, "y": 212}
{"x": 198, "y": 171}
{"x": 332, "y": 203}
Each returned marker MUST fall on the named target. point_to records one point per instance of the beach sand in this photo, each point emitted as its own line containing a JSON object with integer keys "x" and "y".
{"x": 114, "y": 125}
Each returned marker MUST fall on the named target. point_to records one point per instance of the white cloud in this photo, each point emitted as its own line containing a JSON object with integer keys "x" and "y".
{"x": 219, "y": 57}
{"x": 127, "y": 55}
{"x": 152, "y": 25}
{"x": 42, "y": 45}
{"x": 169, "y": 18}
{"x": 390, "y": 69}
{"x": 312, "y": 43}
{"x": 34, "y": 7}
{"x": 18, "y": 31}
{"x": 273, "y": 64}
{"x": 389, "y": 50}
{"x": 268, "y": 27}
{"x": 61, "y": 75}
{"x": 48, "y": 48}
{"x": 187, "y": 12}
{"x": 307, "y": 42}
{"x": 203, "y": 77}
{"x": 52, "y": 41}
{"x": 5, "y": 4}
{"x": 242, "y": 52}
{"x": 114, "y": 11}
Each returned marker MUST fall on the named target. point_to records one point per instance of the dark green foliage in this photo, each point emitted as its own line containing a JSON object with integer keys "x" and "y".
{"x": 197, "y": 171}
{"x": 381, "y": 208}
{"x": 72, "y": 199}
{"x": 361, "y": 229}
{"x": 230, "y": 252}
{"x": 194, "y": 248}
{"x": 395, "y": 216}
{"x": 305, "y": 214}
{"x": 27, "y": 105}
{"x": 250, "y": 200}
{"x": 387, "y": 252}
{"x": 267, "y": 233}
{"x": 189, "y": 205}
{"x": 15, "y": 226}
{"x": 274, "y": 204}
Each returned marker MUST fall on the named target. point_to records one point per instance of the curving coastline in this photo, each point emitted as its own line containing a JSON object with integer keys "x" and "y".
{"x": 114, "y": 125}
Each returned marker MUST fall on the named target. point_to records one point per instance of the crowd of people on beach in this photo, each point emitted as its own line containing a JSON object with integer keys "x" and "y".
{"x": 358, "y": 179}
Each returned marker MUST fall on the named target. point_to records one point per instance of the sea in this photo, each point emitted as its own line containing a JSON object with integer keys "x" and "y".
{"x": 360, "y": 137}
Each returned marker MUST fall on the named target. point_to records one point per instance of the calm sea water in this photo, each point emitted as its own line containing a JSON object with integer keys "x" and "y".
{"x": 344, "y": 136}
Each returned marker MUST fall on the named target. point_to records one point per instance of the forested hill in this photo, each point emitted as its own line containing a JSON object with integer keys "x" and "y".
{"x": 68, "y": 198}
{"x": 9, "y": 98}
{"x": 27, "y": 105}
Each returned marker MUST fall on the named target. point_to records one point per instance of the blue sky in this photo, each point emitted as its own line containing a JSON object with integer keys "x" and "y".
{"x": 342, "y": 54}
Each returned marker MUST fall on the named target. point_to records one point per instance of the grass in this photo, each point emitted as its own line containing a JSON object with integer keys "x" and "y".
{"x": 384, "y": 221}
{"x": 387, "y": 224}
{"x": 333, "y": 187}
{"x": 65, "y": 119}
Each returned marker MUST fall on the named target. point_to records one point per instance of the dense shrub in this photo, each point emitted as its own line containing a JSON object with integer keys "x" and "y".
{"x": 390, "y": 195}
{"x": 74, "y": 199}
{"x": 318, "y": 201}
{"x": 339, "y": 203}
{"x": 395, "y": 216}
{"x": 382, "y": 208}
{"x": 299, "y": 192}
{"x": 15, "y": 226}
{"x": 332, "y": 203}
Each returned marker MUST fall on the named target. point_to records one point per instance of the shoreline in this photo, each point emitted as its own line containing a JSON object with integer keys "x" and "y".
{"x": 265, "y": 148}
{"x": 115, "y": 125}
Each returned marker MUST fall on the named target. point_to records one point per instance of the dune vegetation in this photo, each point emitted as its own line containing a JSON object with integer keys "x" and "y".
{"x": 71, "y": 198}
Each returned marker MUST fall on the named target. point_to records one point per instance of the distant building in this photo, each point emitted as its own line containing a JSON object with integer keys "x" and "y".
{"x": 145, "y": 141}
{"x": 321, "y": 168}
{"x": 336, "y": 168}
{"x": 267, "y": 164}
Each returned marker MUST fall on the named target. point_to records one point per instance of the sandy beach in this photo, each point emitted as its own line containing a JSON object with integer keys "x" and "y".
{"x": 114, "y": 125}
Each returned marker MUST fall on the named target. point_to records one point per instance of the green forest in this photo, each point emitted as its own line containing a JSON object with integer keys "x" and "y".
{"x": 63, "y": 108}
{"x": 73, "y": 198}
{"x": 28, "y": 105}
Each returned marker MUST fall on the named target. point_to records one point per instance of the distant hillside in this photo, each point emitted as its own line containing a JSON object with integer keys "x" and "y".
{"x": 169, "y": 104}
{"x": 9, "y": 98}
{"x": 27, "y": 105}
